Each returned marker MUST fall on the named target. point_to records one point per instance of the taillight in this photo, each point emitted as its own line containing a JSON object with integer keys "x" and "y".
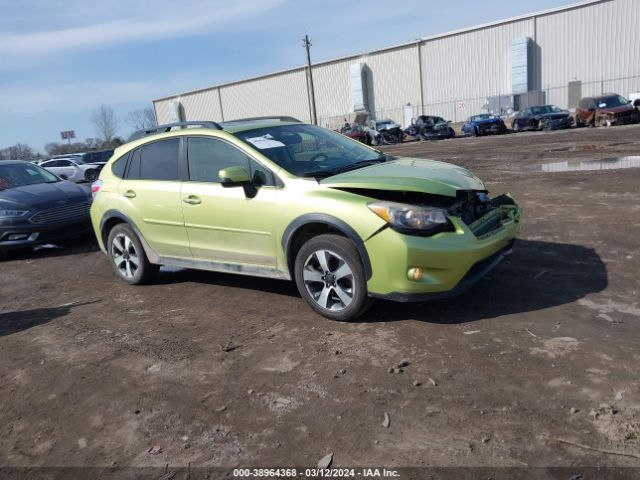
{"x": 95, "y": 188}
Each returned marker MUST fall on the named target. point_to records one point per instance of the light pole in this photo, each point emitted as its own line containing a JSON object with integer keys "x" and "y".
{"x": 306, "y": 43}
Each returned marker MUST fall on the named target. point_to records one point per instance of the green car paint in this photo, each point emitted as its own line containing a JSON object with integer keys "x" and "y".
{"x": 213, "y": 226}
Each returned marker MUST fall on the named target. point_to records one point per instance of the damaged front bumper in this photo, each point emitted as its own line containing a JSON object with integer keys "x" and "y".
{"x": 408, "y": 268}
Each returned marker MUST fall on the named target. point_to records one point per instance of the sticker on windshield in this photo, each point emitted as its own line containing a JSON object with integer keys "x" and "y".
{"x": 264, "y": 142}
{"x": 31, "y": 171}
{"x": 602, "y": 105}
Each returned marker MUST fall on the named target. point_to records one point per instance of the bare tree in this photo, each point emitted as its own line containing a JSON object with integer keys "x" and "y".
{"x": 106, "y": 123}
{"x": 19, "y": 151}
{"x": 142, "y": 119}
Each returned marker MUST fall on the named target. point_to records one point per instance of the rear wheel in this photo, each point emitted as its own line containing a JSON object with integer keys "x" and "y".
{"x": 330, "y": 276}
{"x": 128, "y": 258}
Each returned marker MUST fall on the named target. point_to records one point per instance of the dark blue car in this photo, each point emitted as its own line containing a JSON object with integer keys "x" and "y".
{"x": 37, "y": 207}
{"x": 542, "y": 117}
{"x": 483, "y": 124}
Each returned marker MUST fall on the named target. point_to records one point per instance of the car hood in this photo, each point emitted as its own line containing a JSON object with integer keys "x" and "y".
{"x": 487, "y": 121}
{"x": 554, "y": 116}
{"x": 43, "y": 195}
{"x": 388, "y": 126}
{"x": 409, "y": 174}
{"x": 621, "y": 108}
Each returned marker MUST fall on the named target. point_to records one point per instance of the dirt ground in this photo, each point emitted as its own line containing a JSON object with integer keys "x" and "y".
{"x": 208, "y": 369}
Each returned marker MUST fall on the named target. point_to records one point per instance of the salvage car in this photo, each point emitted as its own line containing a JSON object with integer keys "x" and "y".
{"x": 427, "y": 127}
{"x": 605, "y": 111}
{"x": 288, "y": 200}
{"x": 385, "y": 132}
{"x": 73, "y": 168}
{"x": 541, "y": 117}
{"x": 357, "y": 132}
{"x": 36, "y": 207}
{"x": 483, "y": 124}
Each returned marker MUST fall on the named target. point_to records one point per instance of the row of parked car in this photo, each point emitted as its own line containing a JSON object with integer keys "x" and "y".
{"x": 605, "y": 110}
{"x": 77, "y": 167}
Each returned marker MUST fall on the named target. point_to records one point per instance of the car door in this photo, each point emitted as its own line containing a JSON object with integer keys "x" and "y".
{"x": 228, "y": 225}
{"x": 150, "y": 196}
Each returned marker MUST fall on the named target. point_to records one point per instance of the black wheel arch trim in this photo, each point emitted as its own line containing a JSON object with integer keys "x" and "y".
{"x": 331, "y": 221}
{"x": 111, "y": 214}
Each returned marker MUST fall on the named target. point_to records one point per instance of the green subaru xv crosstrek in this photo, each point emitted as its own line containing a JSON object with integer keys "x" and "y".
{"x": 273, "y": 197}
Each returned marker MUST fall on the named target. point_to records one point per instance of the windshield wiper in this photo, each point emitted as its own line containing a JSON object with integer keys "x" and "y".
{"x": 346, "y": 168}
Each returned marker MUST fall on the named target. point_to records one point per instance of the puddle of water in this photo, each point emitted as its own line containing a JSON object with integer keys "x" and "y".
{"x": 582, "y": 165}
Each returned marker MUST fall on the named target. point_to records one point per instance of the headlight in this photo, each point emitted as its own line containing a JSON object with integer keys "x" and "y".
{"x": 411, "y": 218}
{"x": 12, "y": 213}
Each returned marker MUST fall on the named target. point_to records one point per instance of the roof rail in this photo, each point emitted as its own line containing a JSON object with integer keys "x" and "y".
{"x": 168, "y": 126}
{"x": 270, "y": 117}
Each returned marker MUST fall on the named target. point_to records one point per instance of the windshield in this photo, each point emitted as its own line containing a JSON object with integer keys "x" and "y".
{"x": 14, "y": 175}
{"x": 310, "y": 151}
{"x": 484, "y": 116}
{"x": 545, "y": 109}
{"x": 611, "y": 102}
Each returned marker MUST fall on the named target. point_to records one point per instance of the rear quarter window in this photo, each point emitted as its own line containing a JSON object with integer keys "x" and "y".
{"x": 119, "y": 167}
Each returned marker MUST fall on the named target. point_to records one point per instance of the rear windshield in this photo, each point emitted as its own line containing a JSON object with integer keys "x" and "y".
{"x": 18, "y": 175}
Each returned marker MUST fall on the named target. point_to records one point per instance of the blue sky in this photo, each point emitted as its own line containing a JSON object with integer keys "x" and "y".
{"x": 60, "y": 59}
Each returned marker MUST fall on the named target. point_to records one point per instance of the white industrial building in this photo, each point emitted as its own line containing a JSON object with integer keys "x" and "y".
{"x": 554, "y": 56}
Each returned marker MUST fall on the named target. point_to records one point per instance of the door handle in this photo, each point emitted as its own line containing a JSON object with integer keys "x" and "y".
{"x": 129, "y": 194}
{"x": 192, "y": 200}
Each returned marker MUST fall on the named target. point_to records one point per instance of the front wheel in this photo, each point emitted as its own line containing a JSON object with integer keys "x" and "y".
{"x": 91, "y": 175}
{"x": 128, "y": 258}
{"x": 330, "y": 276}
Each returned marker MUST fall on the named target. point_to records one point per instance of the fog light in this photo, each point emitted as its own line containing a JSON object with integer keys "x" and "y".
{"x": 18, "y": 236}
{"x": 415, "y": 274}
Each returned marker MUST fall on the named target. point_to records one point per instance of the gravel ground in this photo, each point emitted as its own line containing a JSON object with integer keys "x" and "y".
{"x": 208, "y": 369}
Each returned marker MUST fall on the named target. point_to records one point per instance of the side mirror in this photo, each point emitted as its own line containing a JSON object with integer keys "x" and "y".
{"x": 234, "y": 177}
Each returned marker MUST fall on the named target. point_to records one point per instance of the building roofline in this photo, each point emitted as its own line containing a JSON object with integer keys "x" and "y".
{"x": 422, "y": 40}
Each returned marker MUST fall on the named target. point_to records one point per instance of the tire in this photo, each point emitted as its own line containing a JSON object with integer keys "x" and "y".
{"x": 515, "y": 127}
{"x": 578, "y": 122}
{"x": 124, "y": 249}
{"x": 318, "y": 266}
{"x": 91, "y": 175}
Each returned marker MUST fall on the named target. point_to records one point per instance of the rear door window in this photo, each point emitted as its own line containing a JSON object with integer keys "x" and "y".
{"x": 159, "y": 160}
{"x": 133, "y": 172}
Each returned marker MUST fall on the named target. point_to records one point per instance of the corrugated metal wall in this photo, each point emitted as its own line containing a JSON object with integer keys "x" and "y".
{"x": 282, "y": 94}
{"x": 598, "y": 43}
{"x": 469, "y": 67}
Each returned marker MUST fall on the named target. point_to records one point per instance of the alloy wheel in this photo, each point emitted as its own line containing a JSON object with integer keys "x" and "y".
{"x": 329, "y": 280}
{"x": 125, "y": 256}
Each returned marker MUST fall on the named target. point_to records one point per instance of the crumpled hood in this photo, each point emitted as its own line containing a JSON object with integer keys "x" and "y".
{"x": 409, "y": 174}
{"x": 553, "y": 116}
{"x": 621, "y": 108}
{"x": 43, "y": 195}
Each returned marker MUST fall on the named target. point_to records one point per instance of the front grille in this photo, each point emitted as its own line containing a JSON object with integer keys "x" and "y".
{"x": 61, "y": 214}
{"x": 624, "y": 115}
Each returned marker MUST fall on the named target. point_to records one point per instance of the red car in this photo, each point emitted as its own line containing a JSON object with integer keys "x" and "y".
{"x": 605, "y": 111}
{"x": 357, "y": 132}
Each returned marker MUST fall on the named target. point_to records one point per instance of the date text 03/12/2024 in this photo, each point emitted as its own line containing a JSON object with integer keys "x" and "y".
{"x": 315, "y": 473}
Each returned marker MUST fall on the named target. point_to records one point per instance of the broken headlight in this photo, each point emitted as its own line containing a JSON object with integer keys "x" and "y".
{"x": 412, "y": 219}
